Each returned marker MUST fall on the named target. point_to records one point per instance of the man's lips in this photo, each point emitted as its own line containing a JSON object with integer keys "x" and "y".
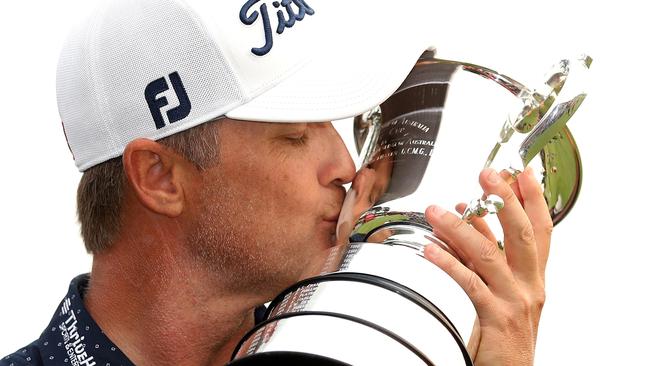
{"x": 334, "y": 209}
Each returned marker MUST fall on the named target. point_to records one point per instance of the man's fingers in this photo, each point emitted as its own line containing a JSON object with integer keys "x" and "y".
{"x": 469, "y": 281}
{"x": 519, "y": 237}
{"x": 478, "y": 223}
{"x": 485, "y": 257}
{"x": 538, "y": 213}
{"x": 514, "y": 186}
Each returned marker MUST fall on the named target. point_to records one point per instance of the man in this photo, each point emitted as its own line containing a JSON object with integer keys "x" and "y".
{"x": 212, "y": 175}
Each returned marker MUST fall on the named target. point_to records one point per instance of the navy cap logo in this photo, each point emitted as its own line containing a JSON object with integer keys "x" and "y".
{"x": 158, "y": 86}
{"x": 287, "y": 16}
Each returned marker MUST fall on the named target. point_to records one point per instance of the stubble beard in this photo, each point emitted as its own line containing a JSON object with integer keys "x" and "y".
{"x": 231, "y": 247}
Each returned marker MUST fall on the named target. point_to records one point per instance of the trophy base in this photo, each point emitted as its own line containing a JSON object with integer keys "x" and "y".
{"x": 365, "y": 309}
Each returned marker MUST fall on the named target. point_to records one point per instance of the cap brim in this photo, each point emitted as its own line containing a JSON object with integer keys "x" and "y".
{"x": 363, "y": 73}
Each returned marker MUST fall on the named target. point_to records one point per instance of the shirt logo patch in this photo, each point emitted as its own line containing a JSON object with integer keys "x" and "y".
{"x": 75, "y": 347}
{"x": 287, "y": 16}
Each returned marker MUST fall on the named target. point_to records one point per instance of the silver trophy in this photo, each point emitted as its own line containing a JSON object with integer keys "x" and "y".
{"x": 374, "y": 299}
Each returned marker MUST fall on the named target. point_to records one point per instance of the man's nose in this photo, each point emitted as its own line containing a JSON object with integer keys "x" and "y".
{"x": 339, "y": 167}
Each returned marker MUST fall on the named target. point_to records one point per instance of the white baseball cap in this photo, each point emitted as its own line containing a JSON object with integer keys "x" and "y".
{"x": 152, "y": 68}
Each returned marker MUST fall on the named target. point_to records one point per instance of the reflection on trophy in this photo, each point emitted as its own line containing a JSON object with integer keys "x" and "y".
{"x": 373, "y": 299}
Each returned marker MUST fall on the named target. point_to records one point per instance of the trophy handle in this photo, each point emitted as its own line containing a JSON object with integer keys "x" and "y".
{"x": 536, "y": 136}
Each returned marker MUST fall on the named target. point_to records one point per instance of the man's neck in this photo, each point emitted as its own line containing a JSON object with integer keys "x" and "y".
{"x": 159, "y": 311}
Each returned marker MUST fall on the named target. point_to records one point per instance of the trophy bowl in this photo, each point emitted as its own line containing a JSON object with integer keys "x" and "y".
{"x": 373, "y": 298}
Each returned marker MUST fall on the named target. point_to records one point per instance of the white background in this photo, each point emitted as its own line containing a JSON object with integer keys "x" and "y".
{"x": 596, "y": 312}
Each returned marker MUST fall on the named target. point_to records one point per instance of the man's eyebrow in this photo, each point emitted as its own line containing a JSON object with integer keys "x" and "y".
{"x": 290, "y": 127}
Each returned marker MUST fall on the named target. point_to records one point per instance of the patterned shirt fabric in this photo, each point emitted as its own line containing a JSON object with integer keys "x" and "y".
{"x": 73, "y": 337}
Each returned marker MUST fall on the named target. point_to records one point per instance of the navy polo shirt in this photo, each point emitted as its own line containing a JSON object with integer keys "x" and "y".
{"x": 73, "y": 337}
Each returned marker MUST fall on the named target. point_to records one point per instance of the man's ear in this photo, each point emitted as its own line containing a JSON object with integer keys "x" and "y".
{"x": 154, "y": 173}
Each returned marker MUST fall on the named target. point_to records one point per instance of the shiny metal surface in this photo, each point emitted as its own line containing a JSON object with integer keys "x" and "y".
{"x": 415, "y": 324}
{"x": 388, "y": 144}
{"x": 416, "y": 301}
{"x": 340, "y": 339}
{"x": 360, "y": 280}
{"x": 413, "y": 272}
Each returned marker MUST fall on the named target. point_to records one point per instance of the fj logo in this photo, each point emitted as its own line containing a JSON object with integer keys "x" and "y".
{"x": 156, "y": 103}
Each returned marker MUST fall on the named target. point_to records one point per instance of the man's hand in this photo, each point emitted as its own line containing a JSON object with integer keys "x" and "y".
{"x": 506, "y": 287}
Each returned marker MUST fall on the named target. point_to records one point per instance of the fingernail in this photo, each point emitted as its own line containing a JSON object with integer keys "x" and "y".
{"x": 432, "y": 249}
{"x": 436, "y": 211}
{"x": 528, "y": 171}
{"x": 493, "y": 177}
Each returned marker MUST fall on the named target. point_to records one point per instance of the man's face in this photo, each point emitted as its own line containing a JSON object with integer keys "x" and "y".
{"x": 271, "y": 202}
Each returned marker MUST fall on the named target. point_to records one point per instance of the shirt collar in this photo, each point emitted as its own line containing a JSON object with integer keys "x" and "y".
{"x": 74, "y": 338}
